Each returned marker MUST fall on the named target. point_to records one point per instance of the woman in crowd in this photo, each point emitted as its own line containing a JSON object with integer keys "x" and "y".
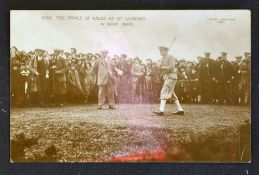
{"x": 87, "y": 80}
{"x": 75, "y": 90}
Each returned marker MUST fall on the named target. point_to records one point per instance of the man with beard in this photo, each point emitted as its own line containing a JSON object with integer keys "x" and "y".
{"x": 169, "y": 74}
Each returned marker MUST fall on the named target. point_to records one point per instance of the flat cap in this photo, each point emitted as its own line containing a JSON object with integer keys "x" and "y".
{"x": 15, "y": 62}
{"x": 238, "y": 57}
{"x": 136, "y": 58}
{"x": 116, "y": 56}
{"x": 104, "y": 51}
{"x": 224, "y": 53}
{"x": 74, "y": 60}
{"x": 97, "y": 54}
{"x": 58, "y": 50}
{"x": 163, "y": 48}
{"x": 123, "y": 55}
{"x": 129, "y": 60}
{"x": 148, "y": 60}
{"x": 37, "y": 50}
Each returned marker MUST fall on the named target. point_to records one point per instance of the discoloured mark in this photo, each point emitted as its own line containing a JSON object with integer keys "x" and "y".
{"x": 3, "y": 110}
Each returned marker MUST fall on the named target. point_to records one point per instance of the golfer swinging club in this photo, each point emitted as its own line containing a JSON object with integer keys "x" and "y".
{"x": 169, "y": 74}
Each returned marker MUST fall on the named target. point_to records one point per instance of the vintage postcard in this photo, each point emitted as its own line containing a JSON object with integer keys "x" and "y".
{"x": 130, "y": 86}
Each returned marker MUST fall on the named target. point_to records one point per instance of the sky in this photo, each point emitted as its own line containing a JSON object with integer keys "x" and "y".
{"x": 195, "y": 31}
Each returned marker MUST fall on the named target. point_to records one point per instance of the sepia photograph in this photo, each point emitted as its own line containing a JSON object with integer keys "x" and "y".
{"x": 130, "y": 86}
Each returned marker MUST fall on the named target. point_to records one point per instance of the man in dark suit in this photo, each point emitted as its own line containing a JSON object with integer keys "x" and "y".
{"x": 244, "y": 74}
{"x": 17, "y": 86}
{"x": 59, "y": 68}
{"x": 208, "y": 78}
{"x": 226, "y": 76}
{"x": 74, "y": 87}
{"x": 247, "y": 61}
{"x": 105, "y": 81}
{"x": 39, "y": 67}
{"x": 136, "y": 73}
{"x": 169, "y": 73}
{"x": 124, "y": 79}
{"x": 237, "y": 77}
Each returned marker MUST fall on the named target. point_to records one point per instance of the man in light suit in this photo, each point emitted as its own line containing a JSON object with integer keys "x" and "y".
{"x": 169, "y": 73}
{"x": 105, "y": 81}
